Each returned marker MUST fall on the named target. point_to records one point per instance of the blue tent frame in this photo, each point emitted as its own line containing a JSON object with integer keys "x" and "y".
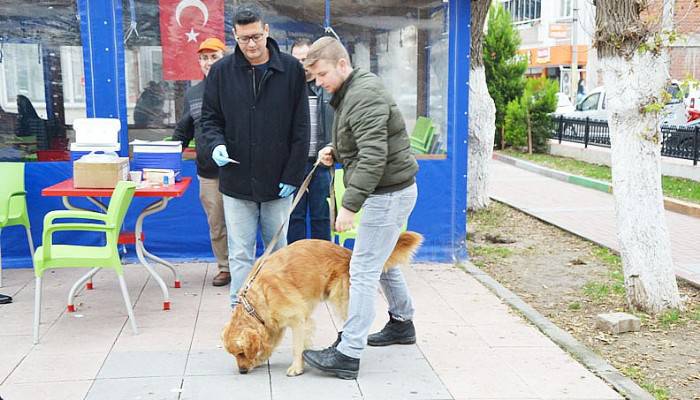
{"x": 440, "y": 214}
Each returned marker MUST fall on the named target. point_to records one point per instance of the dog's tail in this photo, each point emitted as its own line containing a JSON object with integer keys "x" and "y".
{"x": 405, "y": 248}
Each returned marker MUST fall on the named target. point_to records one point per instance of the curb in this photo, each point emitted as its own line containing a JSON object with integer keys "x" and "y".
{"x": 596, "y": 364}
{"x": 678, "y": 206}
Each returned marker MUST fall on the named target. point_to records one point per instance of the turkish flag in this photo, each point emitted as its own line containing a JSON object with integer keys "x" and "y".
{"x": 184, "y": 25}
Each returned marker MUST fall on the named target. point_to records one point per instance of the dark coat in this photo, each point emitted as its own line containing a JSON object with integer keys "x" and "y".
{"x": 267, "y": 131}
{"x": 189, "y": 127}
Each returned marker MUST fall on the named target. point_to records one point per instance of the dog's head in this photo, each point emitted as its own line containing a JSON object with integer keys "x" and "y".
{"x": 246, "y": 339}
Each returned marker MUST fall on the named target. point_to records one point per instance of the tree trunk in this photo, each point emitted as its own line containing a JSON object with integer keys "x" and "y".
{"x": 634, "y": 79}
{"x": 482, "y": 114}
{"x": 482, "y": 131}
{"x": 529, "y": 133}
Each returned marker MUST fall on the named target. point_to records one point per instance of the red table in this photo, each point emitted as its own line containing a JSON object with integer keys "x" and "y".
{"x": 65, "y": 189}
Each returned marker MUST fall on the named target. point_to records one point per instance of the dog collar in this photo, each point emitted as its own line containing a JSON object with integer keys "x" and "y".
{"x": 249, "y": 308}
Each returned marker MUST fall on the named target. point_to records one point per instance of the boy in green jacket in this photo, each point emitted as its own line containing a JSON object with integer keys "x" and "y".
{"x": 370, "y": 141}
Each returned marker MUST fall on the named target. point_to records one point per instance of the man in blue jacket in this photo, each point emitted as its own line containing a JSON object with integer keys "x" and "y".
{"x": 255, "y": 119}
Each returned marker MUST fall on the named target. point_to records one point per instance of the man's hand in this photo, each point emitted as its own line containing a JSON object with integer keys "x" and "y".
{"x": 286, "y": 190}
{"x": 345, "y": 220}
{"x": 220, "y": 155}
{"x": 325, "y": 155}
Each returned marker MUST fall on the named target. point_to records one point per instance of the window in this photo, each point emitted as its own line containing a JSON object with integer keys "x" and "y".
{"x": 74, "y": 75}
{"x": 566, "y": 9}
{"x": 523, "y": 10}
{"x": 22, "y": 73}
{"x": 590, "y": 102}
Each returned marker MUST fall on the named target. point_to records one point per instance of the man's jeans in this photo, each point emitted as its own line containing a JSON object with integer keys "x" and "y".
{"x": 242, "y": 219}
{"x": 316, "y": 202}
{"x": 383, "y": 215}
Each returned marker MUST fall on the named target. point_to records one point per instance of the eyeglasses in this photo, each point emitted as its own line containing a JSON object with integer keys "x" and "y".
{"x": 246, "y": 39}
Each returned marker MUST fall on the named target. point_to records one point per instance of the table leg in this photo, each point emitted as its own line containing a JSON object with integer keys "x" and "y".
{"x": 76, "y": 285}
{"x": 152, "y": 209}
{"x": 140, "y": 250}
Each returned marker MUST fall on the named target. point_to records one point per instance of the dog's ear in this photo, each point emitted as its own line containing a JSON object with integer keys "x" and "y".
{"x": 252, "y": 346}
{"x": 224, "y": 331}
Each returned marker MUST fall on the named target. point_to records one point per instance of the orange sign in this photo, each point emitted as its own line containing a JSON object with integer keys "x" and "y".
{"x": 559, "y": 31}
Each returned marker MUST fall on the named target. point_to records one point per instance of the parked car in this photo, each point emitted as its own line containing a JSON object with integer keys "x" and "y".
{"x": 692, "y": 103}
{"x": 564, "y": 105}
{"x": 594, "y": 106}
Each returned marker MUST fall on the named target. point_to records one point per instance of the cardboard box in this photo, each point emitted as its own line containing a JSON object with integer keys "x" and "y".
{"x": 102, "y": 175}
{"x": 158, "y": 177}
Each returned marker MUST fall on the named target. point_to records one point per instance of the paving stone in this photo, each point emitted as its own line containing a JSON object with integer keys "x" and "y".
{"x": 618, "y": 322}
{"x": 152, "y": 388}
{"x": 253, "y": 386}
{"x": 66, "y": 390}
{"x": 133, "y": 364}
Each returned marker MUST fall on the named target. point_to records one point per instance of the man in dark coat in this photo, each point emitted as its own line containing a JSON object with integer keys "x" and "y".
{"x": 189, "y": 127}
{"x": 255, "y": 120}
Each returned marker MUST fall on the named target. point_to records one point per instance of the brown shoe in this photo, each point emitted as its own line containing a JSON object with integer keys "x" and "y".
{"x": 221, "y": 279}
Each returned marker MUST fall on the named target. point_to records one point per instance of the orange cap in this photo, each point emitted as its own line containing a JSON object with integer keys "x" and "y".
{"x": 212, "y": 44}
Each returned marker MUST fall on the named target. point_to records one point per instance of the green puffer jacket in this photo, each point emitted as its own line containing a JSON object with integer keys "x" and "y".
{"x": 370, "y": 140}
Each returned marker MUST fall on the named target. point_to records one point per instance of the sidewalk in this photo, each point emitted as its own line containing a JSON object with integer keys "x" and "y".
{"x": 588, "y": 213}
{"x": 470, "y": 346}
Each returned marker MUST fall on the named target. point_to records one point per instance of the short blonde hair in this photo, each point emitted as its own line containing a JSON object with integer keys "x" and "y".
{"x": 328, "y": 49}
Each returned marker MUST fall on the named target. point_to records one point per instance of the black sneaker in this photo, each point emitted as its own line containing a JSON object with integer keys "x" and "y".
{"x": 394, "y": 332}
{"x": 5, "y": 299}
{"x": 332, "y": 361}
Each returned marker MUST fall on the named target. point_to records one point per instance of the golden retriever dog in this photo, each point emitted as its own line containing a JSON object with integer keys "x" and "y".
{"x": 293, "y": 281}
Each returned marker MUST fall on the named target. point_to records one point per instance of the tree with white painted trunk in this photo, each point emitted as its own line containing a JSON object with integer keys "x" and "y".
{"x": 635, "y": 68}
{"x": 482, "y": 114}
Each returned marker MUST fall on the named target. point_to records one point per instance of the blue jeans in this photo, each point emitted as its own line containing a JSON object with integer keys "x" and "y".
{"x": 242, "y": 219}
{"x": 383, "y": 216}
{"x": 313, "y": 204}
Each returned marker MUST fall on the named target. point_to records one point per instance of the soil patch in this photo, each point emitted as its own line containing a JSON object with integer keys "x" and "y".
{"x": 571, "y": 280}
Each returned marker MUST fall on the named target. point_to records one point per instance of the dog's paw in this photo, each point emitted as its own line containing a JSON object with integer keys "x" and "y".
{"x": 294, "y": 370}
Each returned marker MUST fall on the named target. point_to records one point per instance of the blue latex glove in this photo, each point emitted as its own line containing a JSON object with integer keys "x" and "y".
{"x": 220, "y": 155}
{"x": 286, "y": 190}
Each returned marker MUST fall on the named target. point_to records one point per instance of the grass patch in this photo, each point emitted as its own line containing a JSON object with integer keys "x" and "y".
{"x": 597, "y": 291}
{"x": 677, "y": 188}
{"x": 490, "y": 217}
{"x": 670, "y": 317}
{"x": 695, "y": 315}
{"x": 570, "y": 165}
{"x": 608, "y": 257}
{"x": 575, "y": 306}
{"x": 491, "y": 251}
{"x": 659, "y": 393}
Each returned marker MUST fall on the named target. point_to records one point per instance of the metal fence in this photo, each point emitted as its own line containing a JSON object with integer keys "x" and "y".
{"x": 677, "y": 141}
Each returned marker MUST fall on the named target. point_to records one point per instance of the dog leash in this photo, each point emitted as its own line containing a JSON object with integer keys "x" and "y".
{"x": 268, "y": 249}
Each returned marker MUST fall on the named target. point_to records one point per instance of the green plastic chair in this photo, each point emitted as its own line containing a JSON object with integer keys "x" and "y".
{"x": 422, "y": 135}
{"x": 339, "y": 188}
{"x": 50, "y": 256}
{"x": 13, "y": 201}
